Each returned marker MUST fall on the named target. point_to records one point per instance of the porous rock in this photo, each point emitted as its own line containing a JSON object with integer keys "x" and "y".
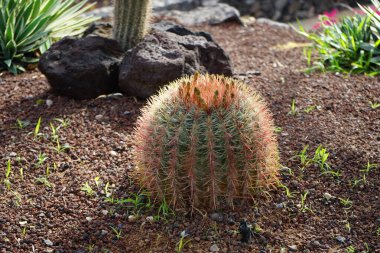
{"x": 166, "y": 54}
{"x": 82, "y": 68}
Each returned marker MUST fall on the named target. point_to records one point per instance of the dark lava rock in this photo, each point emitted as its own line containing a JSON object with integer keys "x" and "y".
{"x": 166, "y": 54}
{"x": 82, "y": 68}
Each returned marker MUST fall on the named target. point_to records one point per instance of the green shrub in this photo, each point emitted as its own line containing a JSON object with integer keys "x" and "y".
{"x": 29, "y": 27}
{"x": 349, "y": 46}
{"x": 206, "y": 142}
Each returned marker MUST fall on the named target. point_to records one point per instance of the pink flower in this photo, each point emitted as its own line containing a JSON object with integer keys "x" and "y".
{"x": 331, "y": 19}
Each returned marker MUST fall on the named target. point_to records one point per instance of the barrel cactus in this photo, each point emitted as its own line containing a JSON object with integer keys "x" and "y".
{"x": 131, "y": 21}
{"x": 205, "y": 142}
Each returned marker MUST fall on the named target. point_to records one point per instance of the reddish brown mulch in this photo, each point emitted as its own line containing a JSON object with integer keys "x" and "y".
{"x": 62, "y": 218}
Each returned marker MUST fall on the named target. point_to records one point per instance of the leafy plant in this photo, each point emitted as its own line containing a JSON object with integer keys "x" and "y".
{"x": 8, "y": 171}
{"x": 347, "y": 203}
{"x": 37, "y": 128}
{"x": 117, "y": 232}
{"x": 204, "y": 141}
{"x": 320, "y": 158}
{"x": 88, "y": 189}
{"x": 303, "y": 206}
{"x": 44, "y": 181}
{"x": 136, "y": 203}
{"x": 310, "y": 108}
{"x": 293, "y": 108}
{"x": 374, "y": 105}
{"x": 29, "y": 27}
{"x": 304, "y": 158}
{"x": 350, "y": 249}
{"x": 21, "y": 124}
{"x": 164, "y": 211}
{"x": 349, "y": 46}
{"x": 41, "y": 158}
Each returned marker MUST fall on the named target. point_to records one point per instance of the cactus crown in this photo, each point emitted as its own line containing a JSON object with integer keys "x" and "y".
{"x": 206, "y": 95}
{"x": 205, "y": 141}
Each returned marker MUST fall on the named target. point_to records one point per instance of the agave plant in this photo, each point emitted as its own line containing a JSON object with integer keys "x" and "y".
{"x": 349, "y": 46}
{"x": 374, "y": 13}
{"x": 29, "y": 27}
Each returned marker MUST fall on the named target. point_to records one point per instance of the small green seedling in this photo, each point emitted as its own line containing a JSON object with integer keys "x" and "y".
{"x": 367, "y": 169}
{"x": 287, "y": 191}
{"x": 374, "y": 105}
{"x": 347, "y": 203}
{"x": 40, "y": 101}
{"x": 97, "y": 181}
{"x": 54, "y": 132}
{"x": 320, "y": 158}
{"x": 21, "y": 124}
{"x": 182, "y": 242}
{"x": 293, "y": 108}
{"x": 17, "y": 198}
{"x": 8, "y": 171}
{"x": 307, "y": 51}
{"x": 304, "y": 158}
{"x": 47, "y": 171}
{"x": 277, "y": 130}
{"x": 310, "y": 108}
{"x": 88, "y": 189}
{"x": 21, "y": 170}
{"x": 303, "y": 205}
{"x": 117, "y": 232}
{"x": 41, "y": 159}
{"x": 37, "y": 128}
{"x": 350, "y": 249}
{"x": 44, "y": 181}
{"x": 63, "y": 122}
{"x": 106, "y": 190}
{"x": 164, "y": 211}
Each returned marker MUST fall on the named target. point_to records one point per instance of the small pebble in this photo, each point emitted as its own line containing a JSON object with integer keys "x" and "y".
{"x": 49, "y": 102}
{"x": 280, "y": 205}
{"x": 89, "y": 218}
{"x": 104, "y": 232}
{"x": 216, "y": 217}
{"x": 341, "y": 239}
{"x": 293, "y": 247}
{"x": 48, "y": 242}
{"x": 12, "y": 154}
{"x": 150, "y": 218}
{"x": 132, "y": 218}
{"x": 327, "y": 196}
{"x": 113, "y": 153}
{"x": 99, "y": 117}
{"x": 104, "y": 212}
{"x": 214, "y": 248}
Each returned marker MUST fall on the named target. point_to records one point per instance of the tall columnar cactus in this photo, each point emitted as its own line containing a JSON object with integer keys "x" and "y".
{"x": 131, "y": 21}
{"x": 206, "y": 141}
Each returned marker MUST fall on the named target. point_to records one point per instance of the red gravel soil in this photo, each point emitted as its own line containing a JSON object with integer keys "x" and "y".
{"x": 45, "y": 206}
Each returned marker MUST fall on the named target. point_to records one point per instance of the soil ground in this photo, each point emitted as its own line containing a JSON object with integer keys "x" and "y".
{"x": 44, "y": 208}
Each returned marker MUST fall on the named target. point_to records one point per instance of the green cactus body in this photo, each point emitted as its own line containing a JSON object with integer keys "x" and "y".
{"x": 206, "y": 141}
{"x": 131, "y": 21}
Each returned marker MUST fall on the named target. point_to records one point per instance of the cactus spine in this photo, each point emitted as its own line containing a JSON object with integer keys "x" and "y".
{"x": 204, "y": 142}
{"x": 131, "y": 21}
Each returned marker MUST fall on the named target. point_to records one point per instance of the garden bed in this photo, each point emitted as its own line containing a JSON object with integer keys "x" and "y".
{"x": 50, "y": 210}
